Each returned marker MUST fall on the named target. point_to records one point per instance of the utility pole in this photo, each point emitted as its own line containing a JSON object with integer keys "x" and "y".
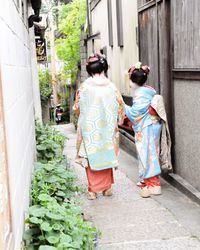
{"x": 53, "y": 57}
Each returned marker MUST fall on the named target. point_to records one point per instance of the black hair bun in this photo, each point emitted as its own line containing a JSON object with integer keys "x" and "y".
{"x": 138, "y": 73}
{"x": 96, "y": 64}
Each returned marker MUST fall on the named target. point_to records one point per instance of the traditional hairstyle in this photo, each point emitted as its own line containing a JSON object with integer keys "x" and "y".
{"x": 138, "y": 73}
{"x": 96, "y": 63}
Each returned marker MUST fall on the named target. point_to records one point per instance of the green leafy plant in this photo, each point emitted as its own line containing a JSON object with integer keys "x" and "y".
{"x": 49, "y": 143}
{"x": 55, "y": 180}
{"x": 45, "y": 84}
{"x": 58, "y": 225}
{"x": 54, "y": 219}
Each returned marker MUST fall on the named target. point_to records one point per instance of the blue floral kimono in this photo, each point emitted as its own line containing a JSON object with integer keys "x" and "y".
{"x": 147, "y": 132}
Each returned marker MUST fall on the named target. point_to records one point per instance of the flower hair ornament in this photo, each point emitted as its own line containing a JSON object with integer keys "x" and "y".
{"x": 138, "y": 66}
{"x": 146, "y": 69}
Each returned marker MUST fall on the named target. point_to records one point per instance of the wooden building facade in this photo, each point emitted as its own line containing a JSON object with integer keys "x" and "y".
{"x": 169, "y": 35}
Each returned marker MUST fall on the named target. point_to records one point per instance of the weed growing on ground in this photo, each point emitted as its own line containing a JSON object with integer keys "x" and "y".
{"x": 54, "y": 219}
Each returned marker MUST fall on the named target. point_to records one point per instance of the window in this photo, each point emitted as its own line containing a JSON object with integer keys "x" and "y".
{"x": 110, "y": 26}
{"x": 119, "y": 23}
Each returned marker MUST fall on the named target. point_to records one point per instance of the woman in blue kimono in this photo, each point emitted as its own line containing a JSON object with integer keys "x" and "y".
{"x": 147, "y": 128}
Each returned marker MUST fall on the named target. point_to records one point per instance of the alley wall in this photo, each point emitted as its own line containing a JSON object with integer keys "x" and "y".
{"x": 17, "y": 87}
{"x": 117, "y": 29}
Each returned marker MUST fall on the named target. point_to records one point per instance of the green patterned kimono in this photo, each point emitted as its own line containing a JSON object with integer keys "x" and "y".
{"x": 99, "y": 104}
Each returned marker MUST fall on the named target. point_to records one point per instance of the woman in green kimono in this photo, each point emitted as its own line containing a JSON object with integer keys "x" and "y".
{"x": 99, "y": 106}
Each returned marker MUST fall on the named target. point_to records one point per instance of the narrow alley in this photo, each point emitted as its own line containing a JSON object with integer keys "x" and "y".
{"x": 103, "y": 70}
{"x": 127, "y": 221}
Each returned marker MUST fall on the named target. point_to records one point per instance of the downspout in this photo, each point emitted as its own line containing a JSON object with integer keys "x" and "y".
{"x": 36, "y": 5}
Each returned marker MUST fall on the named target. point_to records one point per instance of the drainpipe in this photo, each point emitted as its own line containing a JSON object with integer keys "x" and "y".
{"x": 36, "y": 5}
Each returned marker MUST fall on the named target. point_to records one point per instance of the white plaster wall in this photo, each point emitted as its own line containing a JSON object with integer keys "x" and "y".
{"x": 35, "y": 78}
{"x": 15, "y": 61}
{"x": 119, "y": 59}
{"x": 123, "y": 58}
{"x": 99, "y": 20}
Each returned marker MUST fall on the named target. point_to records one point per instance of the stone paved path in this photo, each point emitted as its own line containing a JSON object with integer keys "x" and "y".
{"x": 128, "y": 221}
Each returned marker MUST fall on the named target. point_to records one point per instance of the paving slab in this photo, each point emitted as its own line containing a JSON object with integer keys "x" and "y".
{"x": 127, "y": 221}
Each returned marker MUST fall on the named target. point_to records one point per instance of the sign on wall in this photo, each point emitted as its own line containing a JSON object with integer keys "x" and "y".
{"x": 41, "y": 54}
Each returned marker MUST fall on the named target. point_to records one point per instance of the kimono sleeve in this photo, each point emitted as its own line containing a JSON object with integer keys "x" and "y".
{"x": 139, "y": 108}
{"x": 121, "y": 109}
{"x": 76, "y": 107}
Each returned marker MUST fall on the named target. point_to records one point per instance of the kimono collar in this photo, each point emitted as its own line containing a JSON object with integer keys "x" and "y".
{"x": 98, "y": 80}
{"x": 146, "y": 90}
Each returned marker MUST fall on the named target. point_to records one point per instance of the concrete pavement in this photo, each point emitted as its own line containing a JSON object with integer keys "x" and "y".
{"x": 127, "y": 221}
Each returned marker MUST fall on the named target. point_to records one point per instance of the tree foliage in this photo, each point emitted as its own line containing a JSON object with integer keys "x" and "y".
{"x": 71, "y": 18}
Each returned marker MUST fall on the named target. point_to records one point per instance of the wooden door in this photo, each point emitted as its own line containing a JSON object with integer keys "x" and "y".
{"x": 154, "y": 44}
{"x": 185, "y": 37}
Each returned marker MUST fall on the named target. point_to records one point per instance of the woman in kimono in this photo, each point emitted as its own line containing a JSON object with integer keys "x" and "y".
{"x": 147, "y": 127}
{"x": 99, "y": 106}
